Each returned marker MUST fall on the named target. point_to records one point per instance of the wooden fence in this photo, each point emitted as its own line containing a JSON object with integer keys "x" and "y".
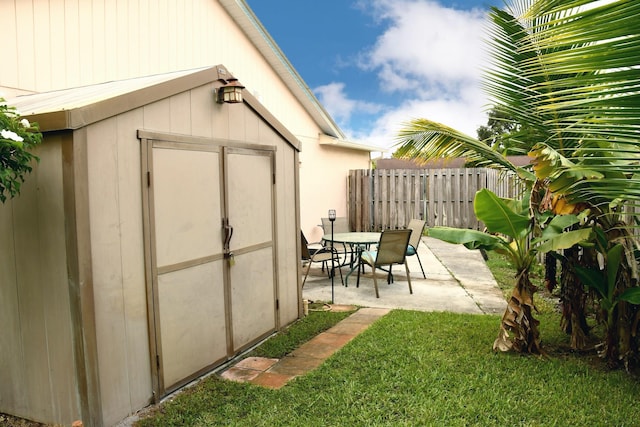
{"x": 388, "y": 198}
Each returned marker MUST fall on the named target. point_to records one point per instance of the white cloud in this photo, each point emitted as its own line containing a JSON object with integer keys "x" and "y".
{"x": 430, "y": 54}
{"x": 464, "y": 115}
{"x": 339, "y": 106}
{"x": 427, "y": 42}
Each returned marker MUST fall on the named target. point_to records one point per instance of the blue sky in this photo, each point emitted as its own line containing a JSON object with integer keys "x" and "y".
{"x": 375, "y": 64}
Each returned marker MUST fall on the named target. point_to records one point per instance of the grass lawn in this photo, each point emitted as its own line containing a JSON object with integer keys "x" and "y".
{"x": 414, "y": 368}
{"x": 420, "y": 369}
{"x": 423, "y": 369}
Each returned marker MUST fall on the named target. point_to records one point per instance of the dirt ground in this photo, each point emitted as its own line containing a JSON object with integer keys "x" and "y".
{"x": 10, "y": 421}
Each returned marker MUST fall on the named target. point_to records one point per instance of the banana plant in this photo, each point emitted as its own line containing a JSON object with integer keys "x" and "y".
{"x": 606, "y": 282}
{"x": 509, "y": 231}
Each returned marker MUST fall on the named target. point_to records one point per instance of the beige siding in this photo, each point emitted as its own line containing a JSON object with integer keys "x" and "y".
{"x": 290, "y": 294}
{"x": 37, "y": 363}
{"x": 99, "y": 40}
{"x": 133, "y": 273}
{"x": 118, "y": 264}
{"x": 286, "y": 218}
{"x": 38, "y": 371}
{"x": 12, "y": 371}
{"x": 108, "y": 284}
{"x": 67, "y": 43}
{"x": 117, "y": 236}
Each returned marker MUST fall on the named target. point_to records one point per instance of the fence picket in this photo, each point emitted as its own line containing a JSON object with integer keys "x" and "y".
{"x": 388, "y": 198}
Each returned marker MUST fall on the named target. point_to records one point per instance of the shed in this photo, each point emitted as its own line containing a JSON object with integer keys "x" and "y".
{"x": 155, "y": 240}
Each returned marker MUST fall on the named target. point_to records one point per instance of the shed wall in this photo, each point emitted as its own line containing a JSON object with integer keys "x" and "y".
{"x": 113, "y": 157}
{"x": 37, "y": 365}
{"x": 117, "y": 240}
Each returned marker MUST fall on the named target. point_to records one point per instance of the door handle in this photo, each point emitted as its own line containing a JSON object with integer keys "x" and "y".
{"x": 228, "y": 233}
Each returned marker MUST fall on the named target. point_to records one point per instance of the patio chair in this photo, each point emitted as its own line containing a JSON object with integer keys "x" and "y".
{"x": 340, "y": 225}
{"x": 392, "y": 249}
{"x": 316, "y": 252}
{"x": 417, "y": 228}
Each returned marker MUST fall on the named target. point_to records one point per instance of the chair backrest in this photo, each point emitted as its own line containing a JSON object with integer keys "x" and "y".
{"x": 392, "y": 247}
{"x": 304, "y": 247}
{"x": 340, "y": 225}
{"x": 417, "y": 228}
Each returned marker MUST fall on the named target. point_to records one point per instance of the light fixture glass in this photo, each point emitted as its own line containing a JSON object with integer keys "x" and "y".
{"x": 231, "y": 92}
{"x": 332, "y": 214}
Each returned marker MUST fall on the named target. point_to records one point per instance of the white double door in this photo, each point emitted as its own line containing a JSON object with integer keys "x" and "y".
{"x": 211, "y": 210}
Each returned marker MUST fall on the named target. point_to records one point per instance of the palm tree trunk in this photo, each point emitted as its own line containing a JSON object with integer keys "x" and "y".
{"x": 550, "y": 271}
{"x": 518, "y": 328}
{"x": 573, "y": 301}
{"x": 622, "y": 341}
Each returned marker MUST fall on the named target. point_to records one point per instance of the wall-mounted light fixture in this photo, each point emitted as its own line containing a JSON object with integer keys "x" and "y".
{"x": 230, "y": 92}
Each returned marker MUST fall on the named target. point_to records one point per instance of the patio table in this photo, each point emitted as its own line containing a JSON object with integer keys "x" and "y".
{"x": 358, "y": 241}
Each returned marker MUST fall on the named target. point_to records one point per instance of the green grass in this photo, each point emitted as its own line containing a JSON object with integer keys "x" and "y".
{"x": 289, "y": 339}
{"x": 414, "y": 368}
{"x": 422, "y": 369}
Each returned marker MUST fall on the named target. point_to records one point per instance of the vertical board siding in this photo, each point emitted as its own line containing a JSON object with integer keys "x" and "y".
{"x": 37, "y": 365}
{"x": 389, "y": 198}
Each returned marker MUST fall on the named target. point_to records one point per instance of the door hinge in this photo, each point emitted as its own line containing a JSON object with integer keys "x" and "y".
{"x": 277, "y": 304}
{"x": 148, "y": 179}
{"x": 158, "y": 361}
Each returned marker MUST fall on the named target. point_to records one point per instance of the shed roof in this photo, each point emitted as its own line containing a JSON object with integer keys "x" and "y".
{"x": 77, "y": 107}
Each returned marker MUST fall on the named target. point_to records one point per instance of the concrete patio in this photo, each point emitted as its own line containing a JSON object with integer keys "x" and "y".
{"x": 457, "y": 280}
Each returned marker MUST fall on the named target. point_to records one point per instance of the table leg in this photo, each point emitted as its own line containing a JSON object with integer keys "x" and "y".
{"x": 355, "y": 263}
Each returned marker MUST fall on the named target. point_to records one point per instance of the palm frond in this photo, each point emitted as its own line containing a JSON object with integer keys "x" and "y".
{"x": 425, "y": 140}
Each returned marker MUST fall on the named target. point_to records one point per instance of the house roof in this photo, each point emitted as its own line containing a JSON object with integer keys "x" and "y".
{"x": 259, "y": 36}
{"x": 77, "y": 107}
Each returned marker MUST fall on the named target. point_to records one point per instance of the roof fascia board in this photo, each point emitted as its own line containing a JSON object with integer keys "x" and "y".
{"x": 82, "y": 116}
{"x": 337, "y": 142}
{"x": 269, "y": 118}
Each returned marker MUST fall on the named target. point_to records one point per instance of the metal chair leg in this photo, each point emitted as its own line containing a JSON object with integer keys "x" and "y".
{"x": 420, "y": 262}
{"x": 375, "y": 282}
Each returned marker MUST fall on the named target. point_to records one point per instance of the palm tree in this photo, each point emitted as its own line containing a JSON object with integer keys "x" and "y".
{"x": 567, "y": 71}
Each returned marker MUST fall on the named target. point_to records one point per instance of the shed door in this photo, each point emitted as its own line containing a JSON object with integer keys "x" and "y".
{"x": 211, "y": 255}
{"x": 249, "y": 184}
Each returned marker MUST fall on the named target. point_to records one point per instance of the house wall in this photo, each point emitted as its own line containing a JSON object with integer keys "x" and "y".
{"x": 323, "y": 187}
{"x": 37, "y": 360}
{"x": 61, "y": 44}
